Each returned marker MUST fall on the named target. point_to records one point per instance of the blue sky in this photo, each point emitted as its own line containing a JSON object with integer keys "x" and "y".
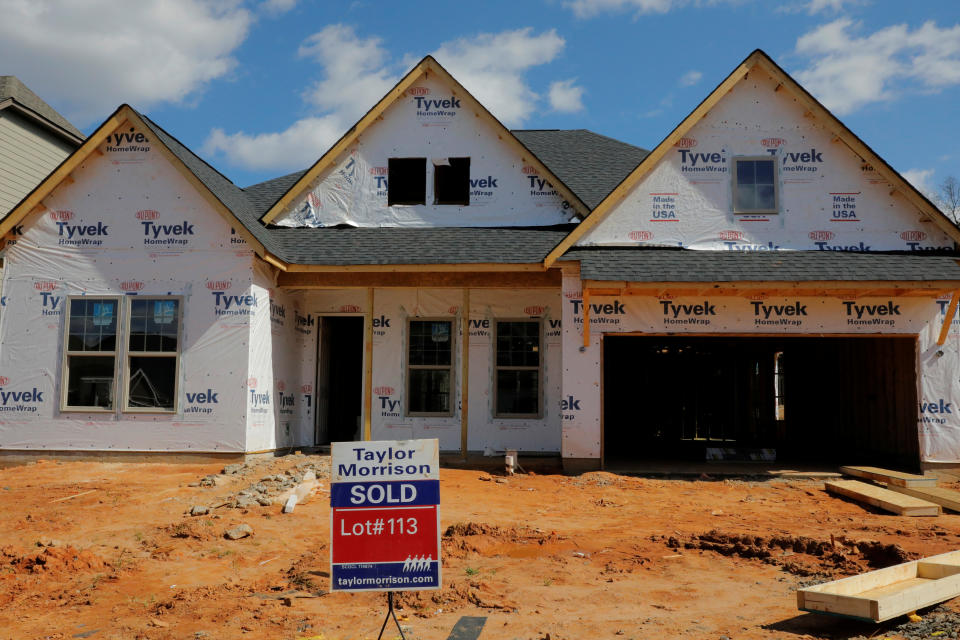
{"x": 262, "y": 88}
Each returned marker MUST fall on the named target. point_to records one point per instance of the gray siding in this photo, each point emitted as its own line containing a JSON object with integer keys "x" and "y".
{"x": 27, "y": 154}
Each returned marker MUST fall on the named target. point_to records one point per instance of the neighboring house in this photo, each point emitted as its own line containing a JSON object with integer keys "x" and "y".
{"x": 760, "y": 280}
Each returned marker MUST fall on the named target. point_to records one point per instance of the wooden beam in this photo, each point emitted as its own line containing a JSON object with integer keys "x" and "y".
{"x": 882, "y": 498}
{"x": 279, "y": 264}
{"x": 890, "y": 477}
{"x": 585, "y": 308}
{"x": 368, "y": 369}
{"x": 948, "y": 317}
{"x": 464, "y": 371}
{"x": 938, "y": 495}
{"x": 551, "y": 279}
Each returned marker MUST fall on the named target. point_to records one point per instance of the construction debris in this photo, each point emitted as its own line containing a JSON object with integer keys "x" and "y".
{"x": 240, "y": 531}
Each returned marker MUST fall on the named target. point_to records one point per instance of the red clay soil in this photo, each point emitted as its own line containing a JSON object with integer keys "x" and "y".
{"x": 540, "y": 556}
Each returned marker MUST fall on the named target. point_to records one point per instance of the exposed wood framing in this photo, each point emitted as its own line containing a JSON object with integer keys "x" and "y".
{"x": 948, "y": 317}
{"x": 368, "y": 368}
{"x": 813, "y": 109}
{"x": 551, "y": 279}
{"x": 464, "y": 370}
{"x": 423, "y": 69}
{"x": 585, "y": 307}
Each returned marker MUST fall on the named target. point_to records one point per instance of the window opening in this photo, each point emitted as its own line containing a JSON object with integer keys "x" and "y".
{"x": 451, "y": 181}
{"x": 406, "y": 181}
{"x": 430, "y": 368}
{"x": 90, "y": 356}
{"x": 755, "y": 185}
{"x": 518, "y": 375}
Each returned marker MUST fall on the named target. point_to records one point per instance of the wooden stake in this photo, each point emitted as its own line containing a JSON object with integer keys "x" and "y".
{"x": 464, "y": 371}
{"x": 948, "y": 318}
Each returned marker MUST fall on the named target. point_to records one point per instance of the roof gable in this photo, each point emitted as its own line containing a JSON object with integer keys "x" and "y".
{"x": 427, "y": 114}
{"x": 13, "y": 93}
{"x": 712, "y": 115}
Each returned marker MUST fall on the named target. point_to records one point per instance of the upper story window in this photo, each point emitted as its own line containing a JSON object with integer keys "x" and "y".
{"x": 755, "y": 185}
{"x": 406, "y": 181}
{"x": 451, "y": 181}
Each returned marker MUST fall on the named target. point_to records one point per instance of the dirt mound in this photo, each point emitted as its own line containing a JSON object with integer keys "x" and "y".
{"x": 53, "y": 560}
{"x": 193, "y": 529}
{"x": 472, "y": 529}
{"x": 800, "y": 555}
{"x": 488, "y": 540}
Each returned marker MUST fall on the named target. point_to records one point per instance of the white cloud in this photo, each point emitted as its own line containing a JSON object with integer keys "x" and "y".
{"x": 846, "y": 72}
{"x": 88, "y": 57}
{"x": 565, "y": 96}
{"x": 276, "y": 7}
{"x": 357, "y": 72}
{"x": 921, "y": 179}
{"x": 590, "y": 8}
{"x": 690, "y": 78}
{"x": 816, "y": 6}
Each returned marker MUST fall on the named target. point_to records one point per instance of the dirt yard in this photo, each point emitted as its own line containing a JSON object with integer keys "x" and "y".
{"x": 95, "y": 550}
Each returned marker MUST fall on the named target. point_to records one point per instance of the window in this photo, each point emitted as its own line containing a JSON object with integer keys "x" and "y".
{"x": 406, "y": 181}
{"x": 517, "y": 372}
{"x": 149, "y": 349}
{"x": 755, "y": 185}
{"x": 90, "y": 359}
{"x": 451, "y": 181}
{"x": 430, "y": 368}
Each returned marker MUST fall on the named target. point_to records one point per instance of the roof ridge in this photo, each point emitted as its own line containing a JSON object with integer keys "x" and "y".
{"x": 152, "y": 124}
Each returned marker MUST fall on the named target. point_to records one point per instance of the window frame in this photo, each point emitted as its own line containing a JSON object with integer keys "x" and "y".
{"x": 539, "y": 369}
{"x": 151, "y": 354}
{"x": 121, "y": 371}
{"x": 451, "y": 367}
{"x": 776, "y": 186}
{"x": 406, "y": 203}
{"x": 65, "y": 360}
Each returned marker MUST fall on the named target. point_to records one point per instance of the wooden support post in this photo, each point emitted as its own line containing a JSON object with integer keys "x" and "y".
{"x": 464, "y": 370}
{"x": 948, "y": 318}
{"x": 585, "y": 303}
{"x": 368, "y": 368}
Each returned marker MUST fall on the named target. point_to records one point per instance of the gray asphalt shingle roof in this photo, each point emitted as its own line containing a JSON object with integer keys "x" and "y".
{"x": 11, "y": 87}
{"x": 685, "y": 265}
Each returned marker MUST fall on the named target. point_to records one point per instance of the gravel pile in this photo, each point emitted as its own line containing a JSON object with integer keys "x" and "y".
{"x": 268, "y": 489}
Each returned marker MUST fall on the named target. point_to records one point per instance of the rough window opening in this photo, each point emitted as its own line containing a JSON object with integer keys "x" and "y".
{"x": 451, "y": 181}
{"x": 406, "y": 181}
{"x": 755, "y": 185}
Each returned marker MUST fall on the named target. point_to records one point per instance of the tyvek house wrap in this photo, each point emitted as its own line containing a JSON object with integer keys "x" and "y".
{"x": 939, "y": 423}
{"x": 128, "y": 225}
{"x": 830, "y": 200}
{"x": 505, "y": 190}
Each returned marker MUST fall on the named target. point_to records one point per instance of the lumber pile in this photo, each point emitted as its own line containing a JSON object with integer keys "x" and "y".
{"x": 901, "y": 493}
{"x": 887, "y": 593}
{"x": 887, "y": 476}
{"x": 885, "y": 499}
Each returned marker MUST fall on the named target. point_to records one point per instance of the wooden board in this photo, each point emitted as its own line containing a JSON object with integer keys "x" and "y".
{"x": 883, "y": 498}
{"x": 890, "y": 477}
{"x": 887, "y": 593}
{"x": 947, "y": 498}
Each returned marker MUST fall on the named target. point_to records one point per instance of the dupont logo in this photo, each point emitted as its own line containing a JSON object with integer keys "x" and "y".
{"x": 383, "y": 391}
{"x": 822, "y": 236}
{"x": 281, "y": 385}
{"x": 378, "y": 171}
{"x": 731, "y": 235}
{"x": 4, "y": 381}
{"x": 307, "y": 388}
{"x": 666, "y": 296}
{"x": 61, "y": 215}
{"x": 757, "y": 296}
{"x": 685, "y": 143}
{"x": 131, "y": 285}
{"x": 418, "y": 91}
{"x": 389, "y": 408}
{"x": 313, "y": 200}
{"x": 217, "y": 285}
{"x": 773, "y": 143}
{"x": 45, "y": 285}
{"x": 534, "y": 311}
{"x": 529, "y": 170}
{"x": 573, "y": 295}
{"x": 913, "y": 236}
{"x": 640, "y": 235}
{"x": 349, "y": 308}
{"x": 252, "y": 382}
{"x": 454, "y": 310}
{"x": 147, "y": 214}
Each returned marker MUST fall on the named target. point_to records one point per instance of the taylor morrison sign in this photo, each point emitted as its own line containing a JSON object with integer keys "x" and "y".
{"x": 385, "y": 515}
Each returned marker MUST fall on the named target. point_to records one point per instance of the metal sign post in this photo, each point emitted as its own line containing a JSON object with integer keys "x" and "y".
{"x": 385, "y": 517}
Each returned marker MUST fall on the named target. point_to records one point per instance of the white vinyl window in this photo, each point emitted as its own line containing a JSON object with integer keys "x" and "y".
{"x": 430, "y": 368}
{"x": 755, "y": 185}
{"x": 518, "y": 376}
{"x": 141, "y": 349}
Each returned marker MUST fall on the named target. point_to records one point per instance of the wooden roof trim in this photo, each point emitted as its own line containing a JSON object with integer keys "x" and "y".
{"x": 487, "y": 267}
{"x": 63, "y": 171}
{"x": 424, "y": 67}
{"x": 746, "y": 285}
{"x": 835, "y": 126}
{"x": 627, "y": 185}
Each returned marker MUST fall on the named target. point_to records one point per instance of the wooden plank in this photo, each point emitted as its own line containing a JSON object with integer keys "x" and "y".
{"x": 882, "y": 498}
{"x": 890, "y": 477}
{"x": 938, "y": 495}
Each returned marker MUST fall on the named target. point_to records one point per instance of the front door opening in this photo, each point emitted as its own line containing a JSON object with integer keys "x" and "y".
{"x": 339, "y": 379}
{"x": 821, "y": 400}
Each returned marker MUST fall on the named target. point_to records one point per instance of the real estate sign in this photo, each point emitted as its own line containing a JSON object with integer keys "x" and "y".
{"x": 385, "y": 515}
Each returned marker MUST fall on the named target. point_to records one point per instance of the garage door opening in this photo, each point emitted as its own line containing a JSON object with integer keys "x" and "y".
{"x": 814, "y": 400}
